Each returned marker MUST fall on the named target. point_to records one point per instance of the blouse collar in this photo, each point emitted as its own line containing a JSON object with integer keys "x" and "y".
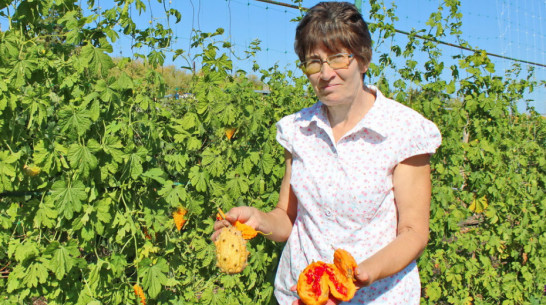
{"x": 374, "y": 120}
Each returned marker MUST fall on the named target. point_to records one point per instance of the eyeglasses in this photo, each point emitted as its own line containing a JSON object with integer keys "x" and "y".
{"x": 336, "y": 61}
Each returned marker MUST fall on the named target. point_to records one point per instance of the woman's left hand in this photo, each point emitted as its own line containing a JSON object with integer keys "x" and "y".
{"x": 362, "y": 278}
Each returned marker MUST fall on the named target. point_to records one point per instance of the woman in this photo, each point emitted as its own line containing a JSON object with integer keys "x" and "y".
{"x": 357, "y": 171}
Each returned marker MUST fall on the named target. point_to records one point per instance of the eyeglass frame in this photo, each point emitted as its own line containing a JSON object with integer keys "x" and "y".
{"x": 349, "y": 57}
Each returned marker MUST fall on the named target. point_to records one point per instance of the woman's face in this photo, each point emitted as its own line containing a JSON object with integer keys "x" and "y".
{"x": 339, "y": 86}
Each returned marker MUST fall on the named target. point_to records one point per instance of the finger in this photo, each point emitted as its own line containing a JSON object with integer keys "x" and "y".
{"x": 294, "y": 288}
{"x": 235, "y": 214}
{"x": 214, "y": 235}
{"x": 362, "y": 277}
{"x": 296, "y": 302}
{"x": 243, "y": 213}
{"x": 220, "y": 224}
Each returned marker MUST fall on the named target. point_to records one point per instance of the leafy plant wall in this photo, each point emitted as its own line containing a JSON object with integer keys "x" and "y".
{"x": 94, "y": 162}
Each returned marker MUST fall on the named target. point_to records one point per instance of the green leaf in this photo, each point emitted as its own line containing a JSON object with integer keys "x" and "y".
{"x": 87, "y": 232}
{"x": 194, "y": 143}
{"x": 98, "y": 61}
{"x": 3, "y": 104}
{"x": 68, "y": 197}
{"x": 176, "y": 14}
{"x": 228, "y": 114}
{"x": 46, "y": 215}
{"x": 81, "y": 157}
{"x": 102, "y": 209}
{"x": 26, "y": 251}
{"x": 267, "y": 162}
{"x": 117, "y": 264}
{"x": 22, "y": 71}
{"x": 155, "y": 174}
{"x": 143, "y": 101}
{"x": 42, "y": 155}
{"x": 189, "y": 121}
{"x": 94, "y": 275}
{"x": 134, "y": 165}
{"x": 479, "y": 205}
{"x": 156, "y": 58}
{"x": 63, "y": 258}
{"x": 433, "y": 291}
{"x": 198, "y": 179}
{"x": 69, "y": 20}
{"x": 14, "y": 278}
{"x": 7, "y": 171}
{"x": 153, "y": 275}
{"x": 247, "y": 165}
{"x": 213, "y": 163}
{"x": 254, "y": 157}
{"x": 173, "y": 195}
{"x": 35, "y": 273}
{"x": 123, "y": 82}
{"x": 112, "y": 146}
{"x": 78, "y": 120}
{"x": 450, "y": 88}
{"x": 94, "y": 111}
{"x": 237, "y": 184}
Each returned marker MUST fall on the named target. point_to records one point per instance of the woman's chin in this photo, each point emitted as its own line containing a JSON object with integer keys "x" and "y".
{"x": 330, "y": 100}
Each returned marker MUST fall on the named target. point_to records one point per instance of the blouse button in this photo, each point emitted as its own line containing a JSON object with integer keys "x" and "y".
{"x": 328, "y": 213}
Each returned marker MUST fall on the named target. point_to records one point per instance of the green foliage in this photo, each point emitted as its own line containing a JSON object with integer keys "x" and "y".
{"x": 488, "y": 203}
{"x": 116, "y": 161}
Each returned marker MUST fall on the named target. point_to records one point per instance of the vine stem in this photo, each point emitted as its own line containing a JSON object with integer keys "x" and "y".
{"x": 5, "y": 143}
{"x": 86, "y": 283}
{"x": 4, "y": 269}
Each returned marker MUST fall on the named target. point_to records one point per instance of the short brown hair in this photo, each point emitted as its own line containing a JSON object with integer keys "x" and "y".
{"x": 334, "y": 25}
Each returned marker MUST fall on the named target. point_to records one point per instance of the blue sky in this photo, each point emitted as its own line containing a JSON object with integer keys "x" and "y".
{"x": 515, "y": 29}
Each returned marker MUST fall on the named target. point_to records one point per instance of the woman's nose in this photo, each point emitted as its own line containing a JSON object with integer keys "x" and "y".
{"x": 326, "y": 72}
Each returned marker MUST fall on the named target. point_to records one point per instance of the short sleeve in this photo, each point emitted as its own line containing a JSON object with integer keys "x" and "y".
{"x": 424, "y": 138}
{"x": 285, "y": 131}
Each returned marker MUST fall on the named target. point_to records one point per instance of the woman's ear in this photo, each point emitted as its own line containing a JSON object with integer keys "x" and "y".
{"x": 364, "y": 67}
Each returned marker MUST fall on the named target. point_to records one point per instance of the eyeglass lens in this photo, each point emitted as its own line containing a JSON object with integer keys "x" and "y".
{"x": 337, "y": 61}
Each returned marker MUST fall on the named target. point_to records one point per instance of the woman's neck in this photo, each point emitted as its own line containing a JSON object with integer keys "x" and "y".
{"x": 346, "y": 116}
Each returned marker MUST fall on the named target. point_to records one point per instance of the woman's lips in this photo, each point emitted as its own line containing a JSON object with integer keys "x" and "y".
{"x": 326, "y": 87}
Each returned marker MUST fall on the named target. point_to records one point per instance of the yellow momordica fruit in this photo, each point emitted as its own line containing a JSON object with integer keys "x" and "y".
{"x": 230, "y": 132}
{"x": 31, "y": 170}
{"x": 231, "y": 252}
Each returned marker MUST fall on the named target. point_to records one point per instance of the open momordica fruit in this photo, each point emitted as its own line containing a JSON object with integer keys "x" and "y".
{"x": 345, "y": 262}
{"x": 231, "y": 252}
{"x": 319, "y": 279}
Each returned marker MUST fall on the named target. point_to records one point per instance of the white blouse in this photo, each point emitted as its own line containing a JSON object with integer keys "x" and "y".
{"x": 345, "y": 192}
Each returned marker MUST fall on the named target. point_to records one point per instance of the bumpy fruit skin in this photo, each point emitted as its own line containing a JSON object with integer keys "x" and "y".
{"x": 345, "y": 262}
{"x": 231, "y": 252}
{"x": 313, "y": 285}
{"x": 178, "y": 217}
{"x": 31, "y": 170}
{"x": 140, "y": 294}
{"x": 230, "y": 132}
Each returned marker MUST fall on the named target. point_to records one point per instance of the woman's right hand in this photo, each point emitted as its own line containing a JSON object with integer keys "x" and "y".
{"x": 244, "y": 214}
